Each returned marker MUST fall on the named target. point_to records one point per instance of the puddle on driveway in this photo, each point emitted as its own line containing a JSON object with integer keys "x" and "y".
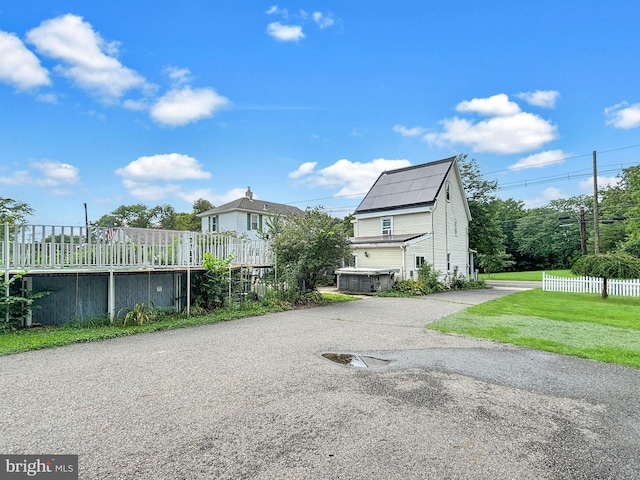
{"x": 354, "y": 360}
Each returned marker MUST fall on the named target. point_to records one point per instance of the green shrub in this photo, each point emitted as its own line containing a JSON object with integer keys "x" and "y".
{"x": 18, "y": 304}
{"x": 430, "y": 279}
{"x": 210, "y": 288}
{"x": 140, "y": 314}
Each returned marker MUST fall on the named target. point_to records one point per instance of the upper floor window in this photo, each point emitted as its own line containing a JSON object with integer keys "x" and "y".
{"x": 254, "y": 221}
{"x": 213, "y": 223}
{"x": 387, "y": 226}
{"x": 447, "y": 189}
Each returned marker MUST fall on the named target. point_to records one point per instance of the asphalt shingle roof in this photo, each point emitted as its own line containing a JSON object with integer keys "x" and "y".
{"x": 254, "y": 205}
{"x": 408, "y": 187}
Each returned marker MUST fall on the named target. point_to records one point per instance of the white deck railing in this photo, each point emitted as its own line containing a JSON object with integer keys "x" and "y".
{"x": 624, "y": 288}
{"x": 48, "y": 247}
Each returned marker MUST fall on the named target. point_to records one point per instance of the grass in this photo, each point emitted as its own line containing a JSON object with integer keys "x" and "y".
{"x": 48, "y": 337}
{"x": 582, "y": 325}
{"x": 535, "y": 276}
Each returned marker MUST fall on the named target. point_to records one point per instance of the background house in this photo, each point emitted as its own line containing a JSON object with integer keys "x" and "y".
{"x": 412, "y": 216}
{"x": 245, "y": 215}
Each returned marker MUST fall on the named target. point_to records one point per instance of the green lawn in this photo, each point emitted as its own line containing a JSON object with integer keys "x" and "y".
{"x": 583, "y": 325}
{"x": 535, "y": 276}
{"x": 47, "y": 337}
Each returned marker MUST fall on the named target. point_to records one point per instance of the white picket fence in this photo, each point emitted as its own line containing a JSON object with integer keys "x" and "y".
{"x": 623, "y": 288}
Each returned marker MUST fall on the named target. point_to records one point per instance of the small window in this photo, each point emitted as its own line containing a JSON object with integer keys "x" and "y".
{"x": 387, "y": 226}
{"x": 419, "y": 262}
{"x": 213, "y": 223}
{"x": 448, "y": 262}
{"x": 447, "y": 189}
{"x": 254, "y": 222}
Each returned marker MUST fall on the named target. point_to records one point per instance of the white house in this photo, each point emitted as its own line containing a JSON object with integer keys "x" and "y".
{"x": 411, "y": 216}
{"x": 245, "y": 216}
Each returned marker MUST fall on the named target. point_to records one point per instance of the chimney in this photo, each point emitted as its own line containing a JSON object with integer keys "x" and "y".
{"x": 249, "y": 193}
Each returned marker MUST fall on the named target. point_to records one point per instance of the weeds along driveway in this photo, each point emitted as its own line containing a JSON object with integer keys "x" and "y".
{"x": 254, "y": 398}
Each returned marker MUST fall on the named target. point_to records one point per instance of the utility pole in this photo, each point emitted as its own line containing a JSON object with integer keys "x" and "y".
{"x": 583, "y": 232}
{"x": 86, "y": 221}
{"x": 596, "y": 220}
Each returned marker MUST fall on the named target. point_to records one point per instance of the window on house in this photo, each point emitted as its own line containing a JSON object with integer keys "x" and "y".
{"x": 419, "y": 262}
{"x": 255, "y": 221}
{"x": 213, "y": 223}
{"x": 448, "y": 262}
{"x": 387, "y": 226}
{"x": 447, "y": 189}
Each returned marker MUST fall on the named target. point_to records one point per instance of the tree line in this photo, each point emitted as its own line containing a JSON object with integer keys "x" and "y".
{"x": 510, "y": 237}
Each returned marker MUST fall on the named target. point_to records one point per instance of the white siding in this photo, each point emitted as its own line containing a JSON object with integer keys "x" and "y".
{"x": 450, "y": 230}
{"x": 379, "y": 257}
{"x": 423, "y": 249}
{"x": 403, "y": 224}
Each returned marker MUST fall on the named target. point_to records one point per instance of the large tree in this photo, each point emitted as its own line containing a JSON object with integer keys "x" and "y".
{"x": 309, "y": 245}
{"x": 541, "y": 236}
{"x": 13, "y": 211}
{"x": 485, "y": 234}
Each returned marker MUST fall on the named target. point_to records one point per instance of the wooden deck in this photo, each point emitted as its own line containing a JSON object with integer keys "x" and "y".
{"x": 64, "y": 249}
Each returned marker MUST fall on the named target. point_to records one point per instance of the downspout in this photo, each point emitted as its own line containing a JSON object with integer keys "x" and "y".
{"x": 403, "y": 247}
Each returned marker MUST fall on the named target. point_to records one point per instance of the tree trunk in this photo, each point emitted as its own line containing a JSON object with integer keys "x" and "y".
{"x": 605, "y": 294}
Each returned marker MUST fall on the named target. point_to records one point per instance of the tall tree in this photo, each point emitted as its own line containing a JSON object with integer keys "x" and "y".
{"x": 540, "y": 235}
{"x": 13, "y": 211}
{"x": 509, "y": 211}
{"x": 485, "y": 234}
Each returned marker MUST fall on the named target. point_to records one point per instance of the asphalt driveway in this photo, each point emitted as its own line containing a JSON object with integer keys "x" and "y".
{"x": 255, "y": 398}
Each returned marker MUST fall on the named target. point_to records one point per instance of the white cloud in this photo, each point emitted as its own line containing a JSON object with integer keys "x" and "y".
{"x": 56, "y": 172}
{"x": 19, "y": 66}
{"x": 56, "y": 177}
{"x": 178, "y": 75}
{"x": 323, "y": 21}
{"x": 87, "y": 59}
{"x": 545, "y": 197}
{"x": 172, "y": 166}
{"x": 623, "y": 115}
{"x": 354, "y": 178}
{"x": 507, "y": 131}
{"x": 497, "y": 105}
{"x": 540, "y": 160}
{"x": 540, "y": 98}
{"x": 285, "y": 33}
{"x": 187, "y": 105}
{"x": 304, "y": 169}
{"x": 409, "y": 132}
{"x": 587, "y": 185}
{"x": 275, "y": 10}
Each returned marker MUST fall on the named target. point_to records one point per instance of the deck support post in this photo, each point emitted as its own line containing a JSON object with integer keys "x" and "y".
{"x": 188, "y": 290}
{"x": 111, "y": 296}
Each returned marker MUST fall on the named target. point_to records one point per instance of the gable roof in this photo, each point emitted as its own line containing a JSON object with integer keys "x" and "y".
{"x": 246, "y": 204}
{"x": 407, "y": 187}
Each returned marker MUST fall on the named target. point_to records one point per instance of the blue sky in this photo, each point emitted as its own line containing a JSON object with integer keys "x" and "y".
{"x": 163, "y": 102}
